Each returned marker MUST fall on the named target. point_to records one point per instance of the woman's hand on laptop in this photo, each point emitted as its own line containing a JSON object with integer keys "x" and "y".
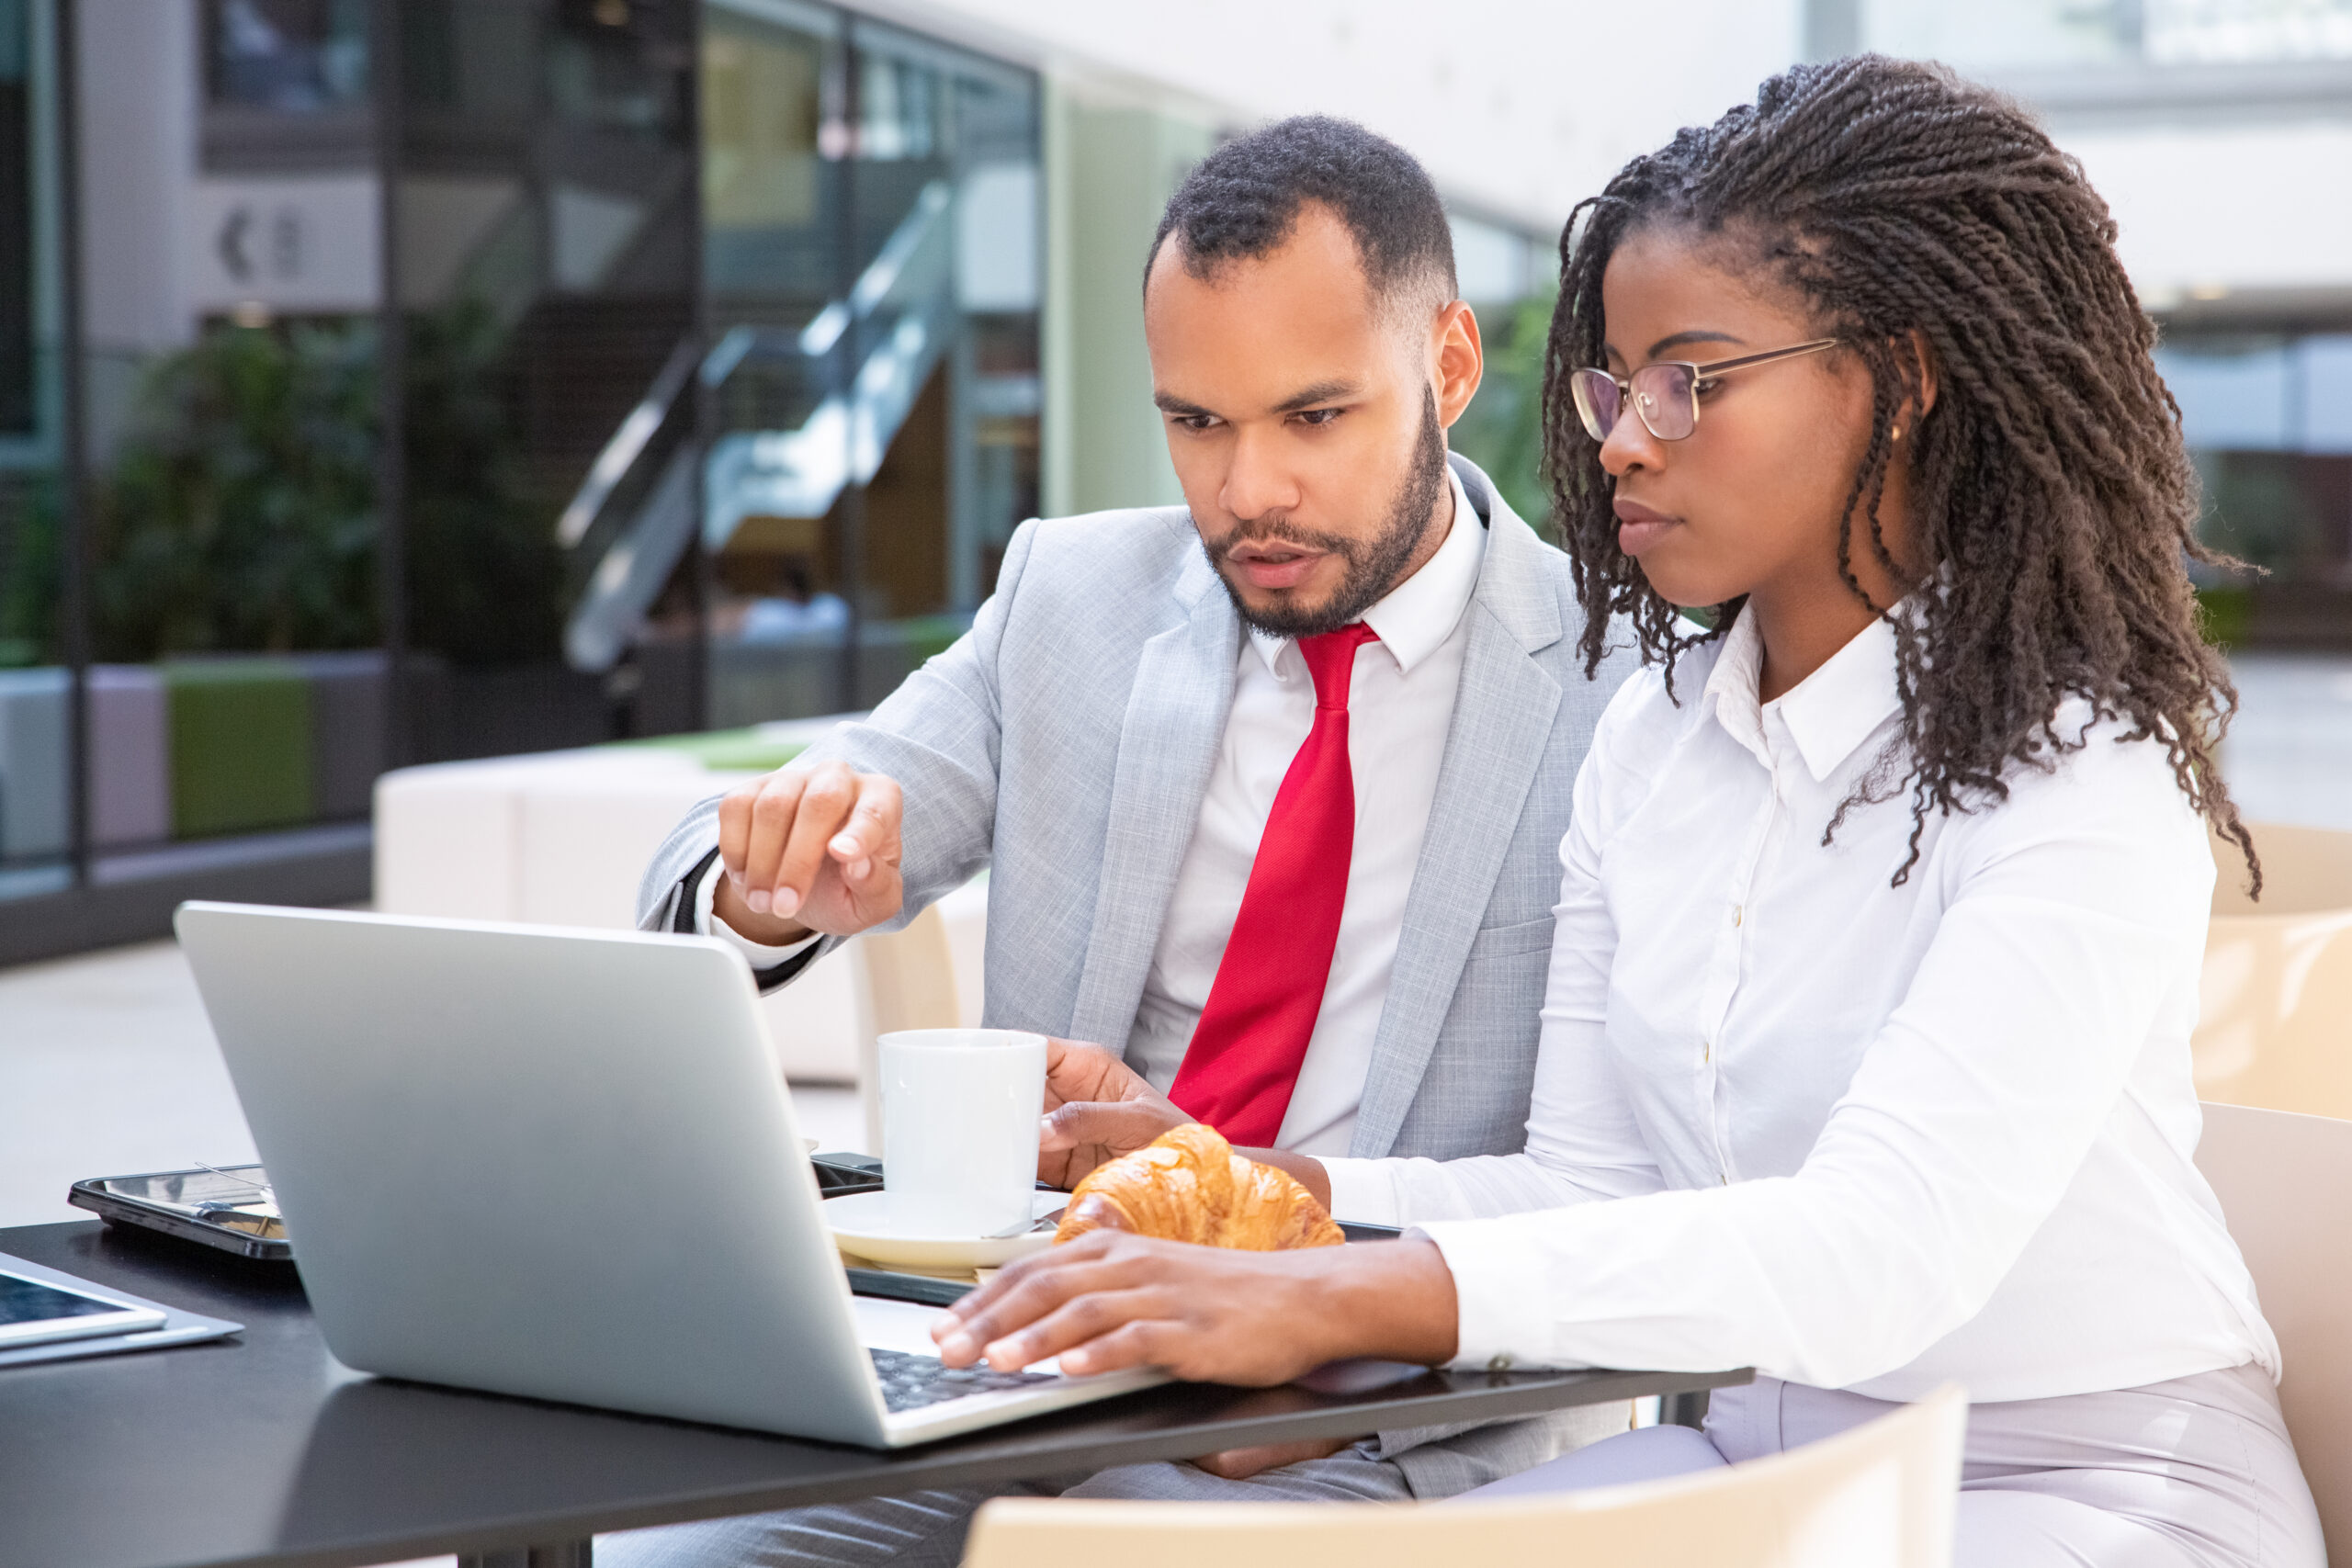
{"x": 809, "y": 850}
{"x": 1110, "y": 1301}
{"x": 1097, "y": 1107}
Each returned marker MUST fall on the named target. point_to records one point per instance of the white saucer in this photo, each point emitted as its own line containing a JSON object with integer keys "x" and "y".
{"x": 861, "y": 1225}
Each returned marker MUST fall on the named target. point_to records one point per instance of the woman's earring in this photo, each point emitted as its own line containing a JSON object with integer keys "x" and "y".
{"x": 1898, "y": 433}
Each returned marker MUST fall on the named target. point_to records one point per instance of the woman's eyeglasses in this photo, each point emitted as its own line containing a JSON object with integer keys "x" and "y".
{"x": 1665, "y": 395}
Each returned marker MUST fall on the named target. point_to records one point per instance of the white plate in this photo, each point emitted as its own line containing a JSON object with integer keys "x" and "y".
{"x": 860, "y": 1226}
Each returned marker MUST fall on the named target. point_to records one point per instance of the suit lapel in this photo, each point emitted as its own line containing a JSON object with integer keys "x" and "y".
{"x": 1168, "y": 745}
{"x": 1502, "y": 730}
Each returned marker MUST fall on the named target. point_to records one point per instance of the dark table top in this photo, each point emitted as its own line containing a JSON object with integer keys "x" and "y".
{"x": 265, "y": 1451}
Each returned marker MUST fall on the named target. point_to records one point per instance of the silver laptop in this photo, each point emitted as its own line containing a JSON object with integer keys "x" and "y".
{"x": 562, "y": 1164}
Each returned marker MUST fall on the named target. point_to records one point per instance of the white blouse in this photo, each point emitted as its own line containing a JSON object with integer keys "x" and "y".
{"x": 1860, "y": 1135}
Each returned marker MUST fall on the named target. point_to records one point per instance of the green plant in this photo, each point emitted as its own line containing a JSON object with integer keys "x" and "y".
{"x": 485, "y": 578}
{"x": 2225, "y": 614}
{"x": 1502, "y": 430}
{"x": 31, "y": 569}
{"x": 238, "y": 515}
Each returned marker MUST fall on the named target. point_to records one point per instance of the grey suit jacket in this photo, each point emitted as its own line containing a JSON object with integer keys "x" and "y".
{"x": 1065, "y": 744}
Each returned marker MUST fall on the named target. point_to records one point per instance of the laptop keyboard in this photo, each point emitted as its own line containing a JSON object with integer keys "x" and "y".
{"x": 910, "y": 1382}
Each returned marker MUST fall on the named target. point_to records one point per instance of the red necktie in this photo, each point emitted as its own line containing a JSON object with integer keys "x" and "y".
{"x": 1244, "y": 1058}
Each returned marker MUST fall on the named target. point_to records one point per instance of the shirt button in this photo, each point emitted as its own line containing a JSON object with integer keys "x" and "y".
{"x": 1735, "y": 914}
{"x": 1500, "y": 1361}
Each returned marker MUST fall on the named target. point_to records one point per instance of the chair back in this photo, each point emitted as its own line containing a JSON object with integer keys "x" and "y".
{"x": 2283, "y": 1181}
{"x": 1881, "y": 1496}
{"x": 2275, "y": 1026}
{"x": 908, "y": 981}
{"x": 2305, "y": 871}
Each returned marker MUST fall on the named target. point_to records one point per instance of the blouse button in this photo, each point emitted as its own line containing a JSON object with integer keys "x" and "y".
{"x": 1500, "y": 1361}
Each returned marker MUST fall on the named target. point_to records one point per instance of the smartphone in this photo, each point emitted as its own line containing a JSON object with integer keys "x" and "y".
{"x": 840, "y": 1174}
{"x": 33, "y": 1312}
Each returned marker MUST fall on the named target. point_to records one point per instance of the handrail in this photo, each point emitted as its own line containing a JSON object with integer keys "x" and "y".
{"x": 628, "y": 443}
{"x": 874, "y": 285}
{"x": 840, "y": 442}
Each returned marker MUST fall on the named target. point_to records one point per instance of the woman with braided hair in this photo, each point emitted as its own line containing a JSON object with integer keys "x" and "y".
{"x": 1865, "y": 1059}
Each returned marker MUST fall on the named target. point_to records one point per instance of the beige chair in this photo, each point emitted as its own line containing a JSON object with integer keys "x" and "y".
{"x": 1881, "y": 1496}
{"x": 2285, "y": 1182}
{"x": 2275, "y": 1024}
{"x": 908, "y": 981}
{"x": 2305, "y": 871}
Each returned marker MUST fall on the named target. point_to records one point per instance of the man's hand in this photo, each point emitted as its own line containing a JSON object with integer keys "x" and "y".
{"x": 1240, "y": 1464}
{"x": 1110, "y": 1300}
{"x": 809, "y": 850}
{"x": 1097, "y": 1107}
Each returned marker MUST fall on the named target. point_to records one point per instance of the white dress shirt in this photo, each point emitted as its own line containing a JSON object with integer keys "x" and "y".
{"x": 1854, "y": 1134}
{"x": 1399, "y": 708}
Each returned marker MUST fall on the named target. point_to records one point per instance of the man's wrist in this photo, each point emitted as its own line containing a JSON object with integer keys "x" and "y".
{"x": 1306, "y": 1169}
{"x": 768, "y": 931}
{"x": 1391, "y": 1300}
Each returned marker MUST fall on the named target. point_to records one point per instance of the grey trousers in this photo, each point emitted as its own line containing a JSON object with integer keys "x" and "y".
{"x": 927, "y": 1529}
{"x": 2197, "y": 1473}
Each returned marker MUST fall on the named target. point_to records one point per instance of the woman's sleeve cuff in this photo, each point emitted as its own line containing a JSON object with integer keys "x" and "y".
{"x": 1362, "y": 1192}
{"x": 1502, "y": 1292}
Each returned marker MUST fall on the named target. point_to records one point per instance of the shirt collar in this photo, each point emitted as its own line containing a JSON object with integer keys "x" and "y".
{"x": 1828, "y": 713}
{"x": 1417, "y": 615}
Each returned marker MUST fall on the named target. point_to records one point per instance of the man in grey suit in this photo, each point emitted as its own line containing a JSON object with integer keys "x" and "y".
{"x": 1270, "y": 788}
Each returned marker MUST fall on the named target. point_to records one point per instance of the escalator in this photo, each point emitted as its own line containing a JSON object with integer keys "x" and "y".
{"x": 852, "y": 377}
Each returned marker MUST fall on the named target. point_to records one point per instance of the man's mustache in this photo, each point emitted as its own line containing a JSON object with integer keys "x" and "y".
{"x": 1277, "y": 530}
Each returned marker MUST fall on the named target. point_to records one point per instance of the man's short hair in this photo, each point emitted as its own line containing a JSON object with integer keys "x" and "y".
{"x": 1242, "y": 201}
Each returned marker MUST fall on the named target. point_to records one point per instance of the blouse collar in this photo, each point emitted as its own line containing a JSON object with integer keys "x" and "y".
{"x": 1828, "y": 713}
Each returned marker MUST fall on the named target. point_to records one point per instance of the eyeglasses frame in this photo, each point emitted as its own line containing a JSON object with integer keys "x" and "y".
{"x": 1701, "y": 378}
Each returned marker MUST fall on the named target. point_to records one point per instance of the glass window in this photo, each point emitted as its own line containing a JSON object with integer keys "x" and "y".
{"x": 237, "y": 693}
{"x": 21, "y": 326}
{"x": 287, "y": 56}
{"x": 544, "y": 245}
{"x": 2268, "y": 418}
{"x": 1997, "y": 34}
{"x": 872, "y": 251}
{"x": 718, "y": 397}
{"x": 36, "y": 687}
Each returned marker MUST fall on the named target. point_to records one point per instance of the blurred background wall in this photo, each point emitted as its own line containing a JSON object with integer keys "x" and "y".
{"x": 388, "y": 382}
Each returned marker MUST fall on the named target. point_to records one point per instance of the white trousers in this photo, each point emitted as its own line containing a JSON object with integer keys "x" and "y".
{"x": 2197, "y": 1473}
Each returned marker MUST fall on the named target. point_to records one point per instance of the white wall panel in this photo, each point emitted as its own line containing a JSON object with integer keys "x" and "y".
{"x": 1522, "y": 107}
{"x": 2249, "y": 207}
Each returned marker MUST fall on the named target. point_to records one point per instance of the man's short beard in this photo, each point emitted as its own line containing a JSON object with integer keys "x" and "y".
{"x": 1374, "y": 566}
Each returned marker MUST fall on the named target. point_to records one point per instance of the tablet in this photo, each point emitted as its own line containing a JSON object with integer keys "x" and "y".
{"x": 32, "y": 1312}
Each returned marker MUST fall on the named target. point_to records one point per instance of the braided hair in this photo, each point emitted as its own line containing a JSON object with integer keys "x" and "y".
{"x": 2052, "y": 507}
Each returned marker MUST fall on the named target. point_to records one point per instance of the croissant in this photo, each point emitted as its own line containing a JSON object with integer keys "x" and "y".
{"x": 1189, "y": 1185}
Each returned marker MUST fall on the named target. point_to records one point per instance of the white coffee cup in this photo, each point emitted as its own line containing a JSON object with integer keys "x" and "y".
{"x": 959, "y": 1129}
